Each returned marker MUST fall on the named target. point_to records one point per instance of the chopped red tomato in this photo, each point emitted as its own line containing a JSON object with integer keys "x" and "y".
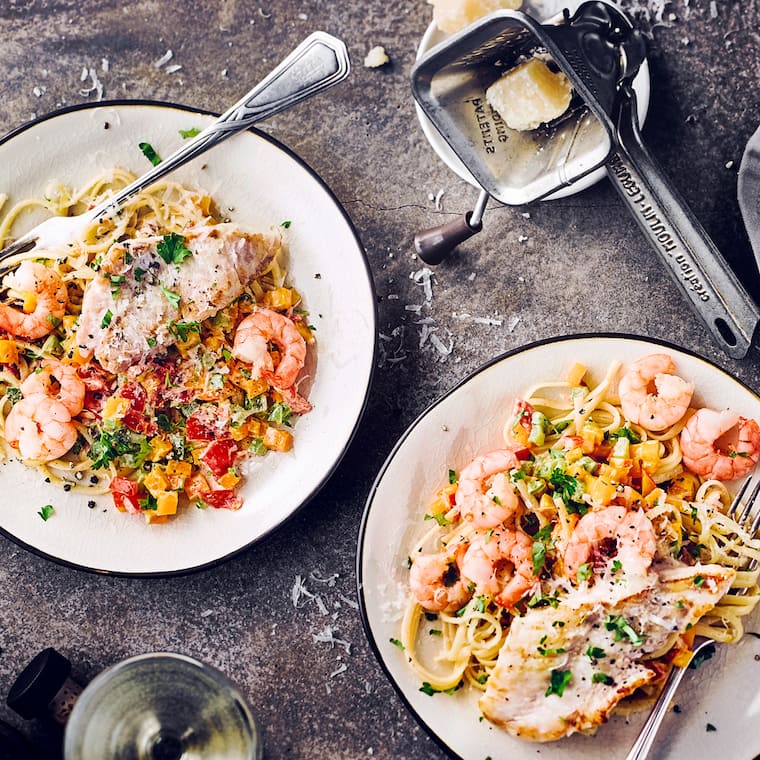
{"x": 222, "y": 499}
{"x": 219, "y": 456}
{"x": 135, "y": 417}
{"x": 198, "y": 429}
{"x": 125, "y": 494}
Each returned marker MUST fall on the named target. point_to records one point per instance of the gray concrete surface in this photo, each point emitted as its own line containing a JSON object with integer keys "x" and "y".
{"x": 576, "y": 265}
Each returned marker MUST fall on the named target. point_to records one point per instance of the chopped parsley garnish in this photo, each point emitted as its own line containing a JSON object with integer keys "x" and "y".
{"x": 584, "y": 572}
{"x": 397, "y": 643}
{"x": 129, "y": 447}
{"x": 279, "y": 413}
{"x": 53, "y": 320}
{"x": 172, "y": 298}
{"x": 149, "y": 152}
{"x": 702, "y": 656}
{"x": 559, "y": 682}
{"x": 595, "y": 653}
{"x": 626, "y": 432}
{"x": 541, "y": 542}
{"x": 192, "y": 132}
{"x": 116, "y": 282}
{"x": 452, "y": 477}
{"x": 482, "y": 678}
{"x": 617, "y": 566}
{"x": 149, "y": 503}
{"x": 545, "y": 652}
{"x": 172, "y": 249}
{"x": 181, "y": 330}
{"x": 623, "y": 629}
{"x": 151, "y": 341}
{"x": 602, "y": 678}
{"x": 440, "y": 518}
{"x": 107, "y": 317}
{"x": 699, "y": 580}
{"x": 426, "y": 688}
{"x": 286, "y": 224}
{"x": 435, "y": 632}
{"x": 139, "y": 272}
{"x": 13, "y": 394}
{"x": 46, "y": 512}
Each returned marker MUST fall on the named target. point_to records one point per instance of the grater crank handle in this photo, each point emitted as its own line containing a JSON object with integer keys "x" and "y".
{"x": 697, "y": 266}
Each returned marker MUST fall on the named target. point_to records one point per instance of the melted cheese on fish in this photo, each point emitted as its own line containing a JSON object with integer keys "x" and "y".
{"x": 128, "y": 309}
{"x": 604, "y": 664}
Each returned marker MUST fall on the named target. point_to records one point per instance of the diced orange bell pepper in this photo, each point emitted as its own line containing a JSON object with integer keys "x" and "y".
{"x": 8, "y": 352}
{"x": 278, "y": 440}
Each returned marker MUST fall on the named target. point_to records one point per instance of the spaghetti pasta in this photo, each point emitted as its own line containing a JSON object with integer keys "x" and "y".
{"x": 183, "y": 412}
{"x": 607, "y": 520}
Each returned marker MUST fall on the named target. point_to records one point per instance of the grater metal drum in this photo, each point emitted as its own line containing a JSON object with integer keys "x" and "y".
{"x": 600, "y": 52}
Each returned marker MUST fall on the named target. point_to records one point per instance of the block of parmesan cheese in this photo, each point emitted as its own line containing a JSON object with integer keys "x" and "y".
{"x": 452, "y": 15}
{"x": 530, "y": 94}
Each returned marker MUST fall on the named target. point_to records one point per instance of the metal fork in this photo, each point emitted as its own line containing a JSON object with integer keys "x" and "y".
{"x": 319, "y": 62}
{"x": 750, "y": 523}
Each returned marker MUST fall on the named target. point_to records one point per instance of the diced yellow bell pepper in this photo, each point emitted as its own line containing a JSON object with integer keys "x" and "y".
{"x": 166, "y": 503}
{"x": 305, "y": 332}
{"x": 279, "y": 298}
{"x": 115, "y": 408}
{"x": 155, "y": 481}
{"x": 160, "y": 448}
{"x": 546, "y": 504}
{"x": 8, "y": 352}
{"x": 176, "y": 473}
{"x": 648, "y": 453}
{"x": 278, "y": 440}
{"x": 229, "y": 480}
{"x": 30, "y": 301}
{"x": 684, "y": 487}
{"x": 592, "y": 436}
{"x": 600, "y": 490}
{"x": 195, "y": 484}
{"x": 154, "y": 519}
{"x": 647, "y": 483}
{"x": 653, "y": 497}
{"x": 574, "y": 455}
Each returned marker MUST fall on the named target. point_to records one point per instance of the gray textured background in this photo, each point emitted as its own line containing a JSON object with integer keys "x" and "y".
{"x": 583, "y": 268}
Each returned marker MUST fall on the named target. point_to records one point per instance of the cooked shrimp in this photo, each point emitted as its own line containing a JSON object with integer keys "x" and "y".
{"x": 701, "y": 455}
{"x": 40, "y": 428}
{"x": 659, "y": 410}
{"x": 613, "y": 532}
{"x": 254, "y": 334}
{"x": 59, "y": 381}
{"x": 436, "y": 582}
{"x": 47, "y": 296}
{"x": 500, "y": 565}
{"x": 485, "y": 493}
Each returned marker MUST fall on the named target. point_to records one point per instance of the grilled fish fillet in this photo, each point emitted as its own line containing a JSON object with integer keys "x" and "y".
{"x": 604, "y": 664}
{"x": 129, "y": 308}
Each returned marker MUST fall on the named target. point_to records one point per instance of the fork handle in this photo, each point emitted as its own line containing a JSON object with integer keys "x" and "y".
{"x": 645, "y": 739}
{"x": 319, "y": 62}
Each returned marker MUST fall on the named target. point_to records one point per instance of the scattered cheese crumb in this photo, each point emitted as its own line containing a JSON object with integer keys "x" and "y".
{"x": 173, "y": 69}
{"x": 376, "y": 57}
{"x": 164, "y": 59}
{"x": 729, "y": 164}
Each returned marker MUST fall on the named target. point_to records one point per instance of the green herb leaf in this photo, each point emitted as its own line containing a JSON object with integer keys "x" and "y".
{"x": 699, "y": 580}
{"x": 192, "y": 132}
{"x": 452, "y": 477}
{"x": 172, "y": 249}
{"x": 623, "y": 629}
{"x": 544, "y": 652}
{"x": 149, "y": 153}
{"x": 538, "y": 555}
{"x": 286, "y": 224}
{"x": 595, "y": 653}
{"x": 46, "y": 512}
{"x": 107, "y": 317}
{"x": 584, "y": 572}
{"x": 702, "y": 656}
{"x": 626, "y": 432}
{"x": 13, "y": 394}
{"x": 560, "y": 679}
{"x": 397, "y": 643}
{"x": 172, "y": 298}
{"x": 602, "y": 678}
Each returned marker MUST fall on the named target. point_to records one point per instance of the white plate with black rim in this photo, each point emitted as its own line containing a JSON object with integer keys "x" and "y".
{"x": 258, "y": 183}
{"x": 468, "y": 421}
